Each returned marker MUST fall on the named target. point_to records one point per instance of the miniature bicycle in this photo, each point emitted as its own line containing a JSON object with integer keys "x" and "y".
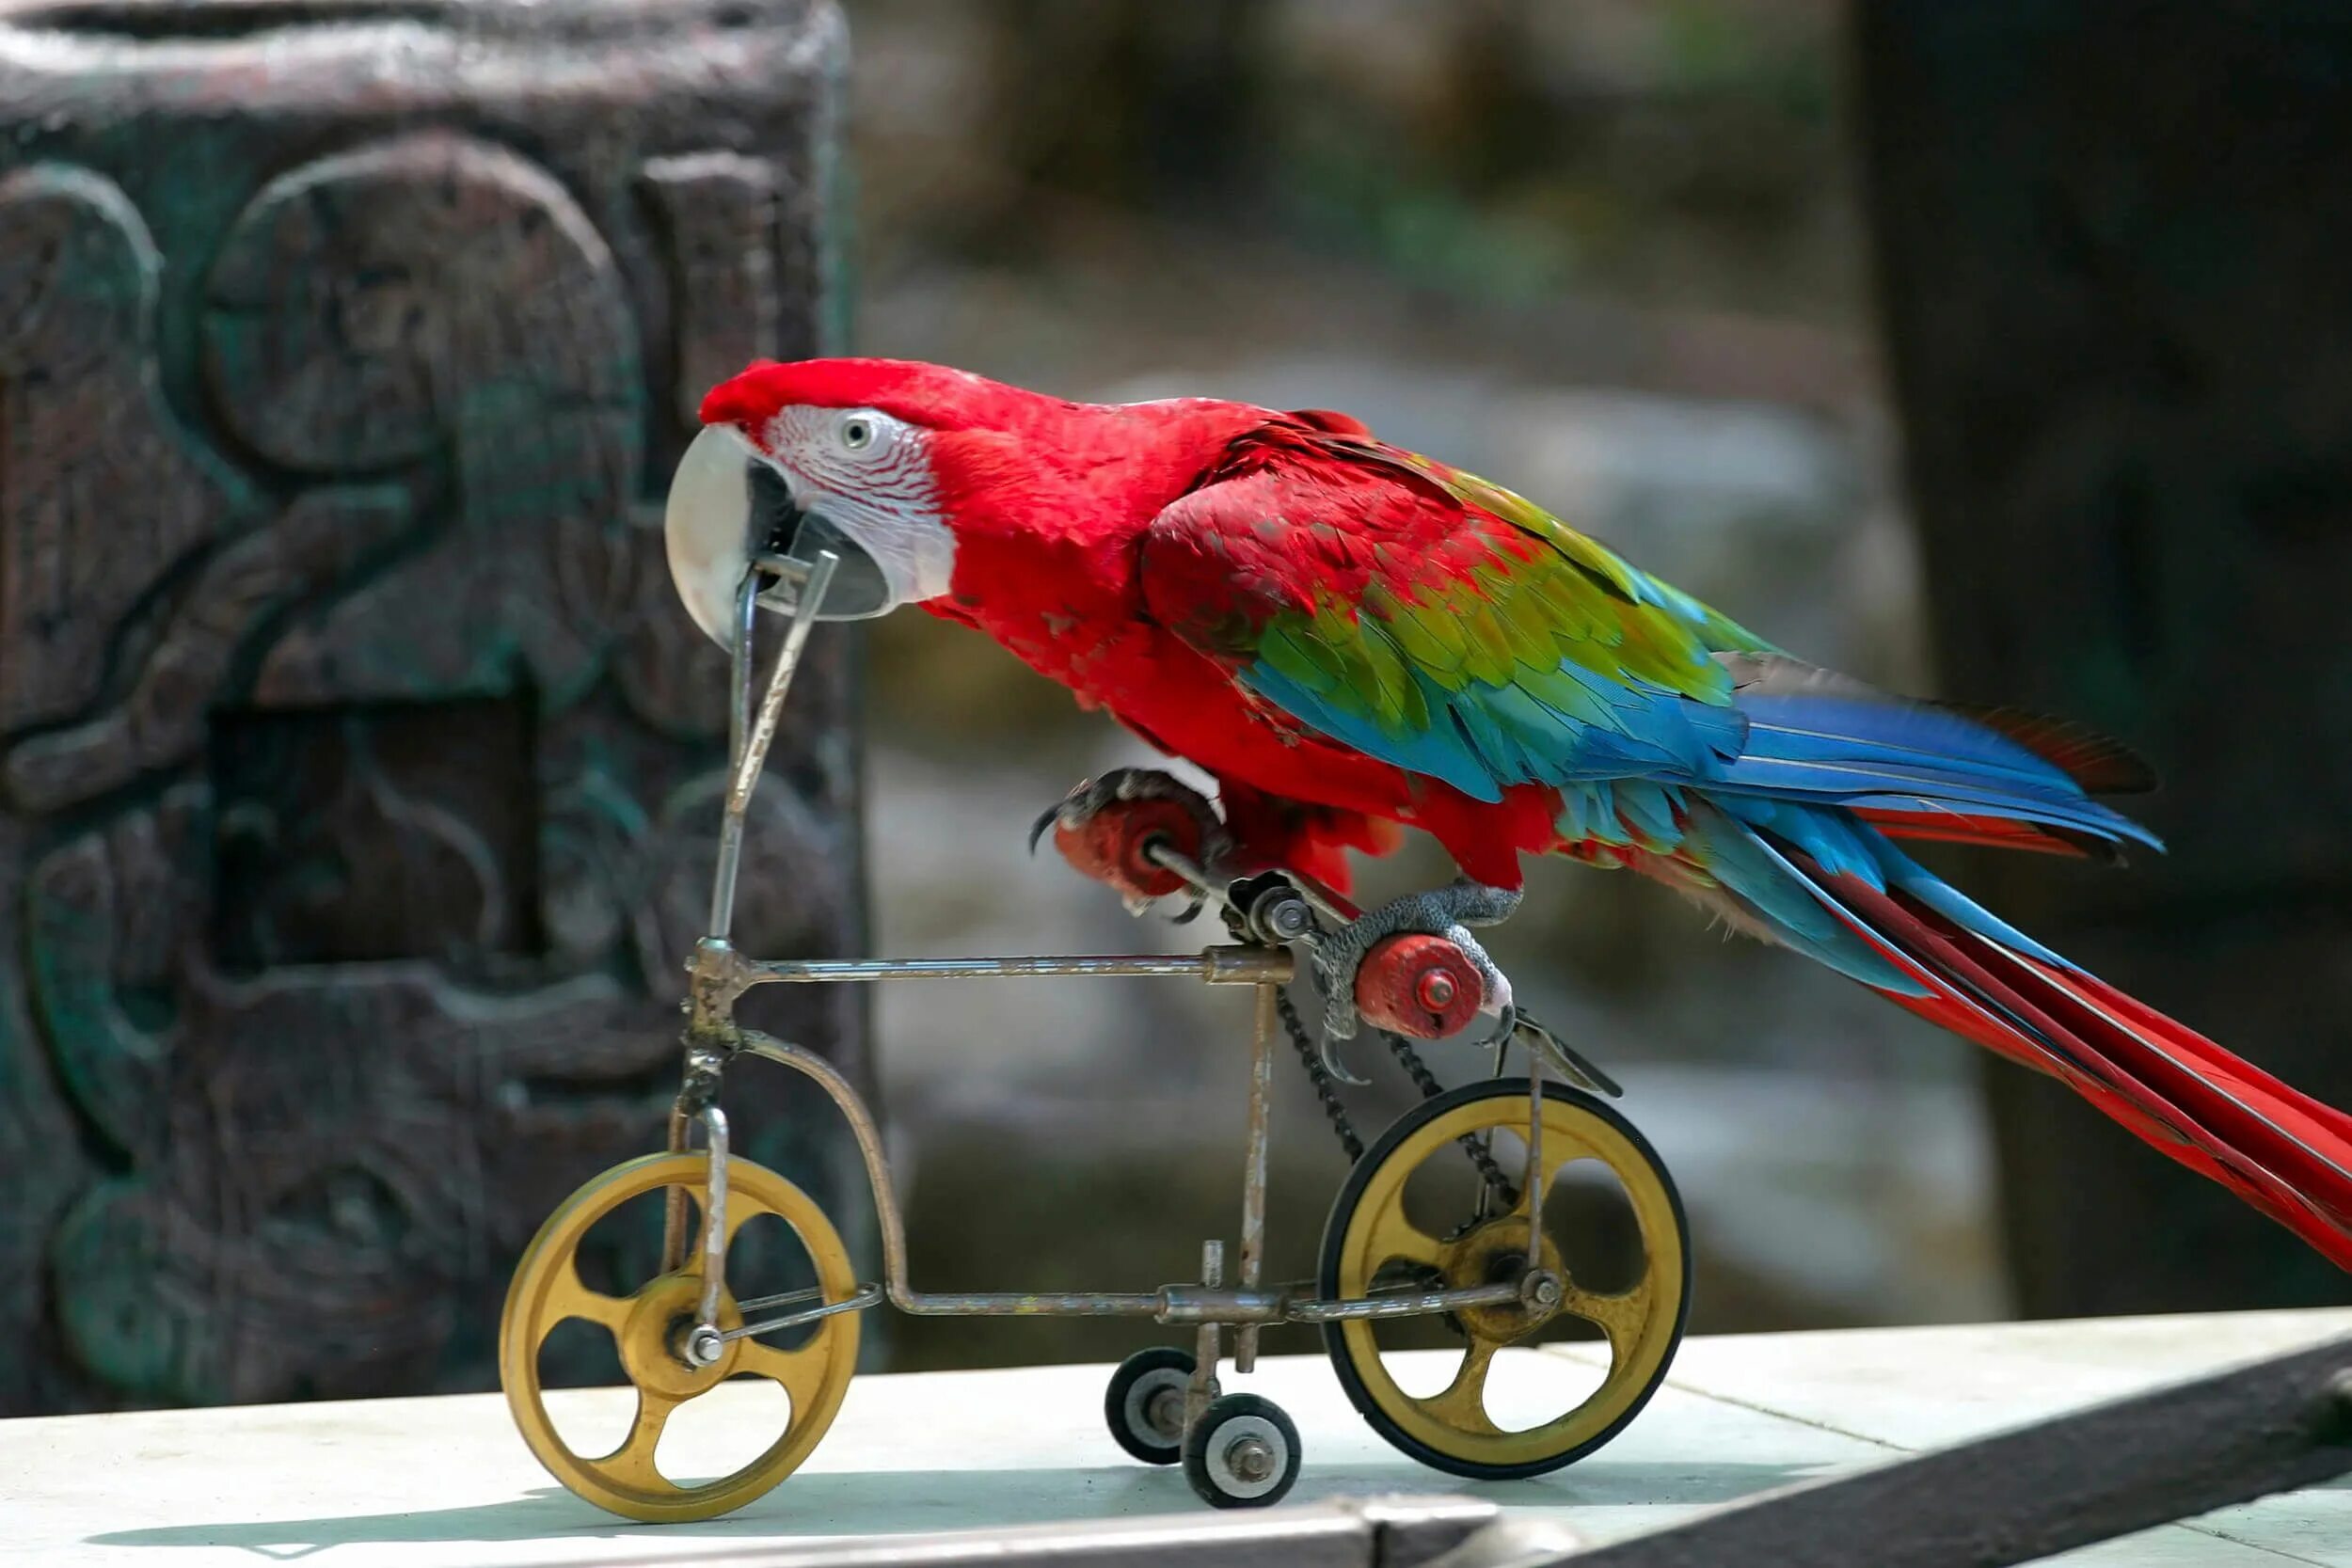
{"x": 1485, "y": 1267}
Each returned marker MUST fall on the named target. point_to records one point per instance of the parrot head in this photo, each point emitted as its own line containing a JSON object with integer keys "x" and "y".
{"x": 846, "y": 456}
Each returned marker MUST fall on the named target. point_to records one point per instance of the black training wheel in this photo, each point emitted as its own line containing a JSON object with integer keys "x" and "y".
{"x": 1241, "y": 1453}
{"x": 1144, "y": 1405}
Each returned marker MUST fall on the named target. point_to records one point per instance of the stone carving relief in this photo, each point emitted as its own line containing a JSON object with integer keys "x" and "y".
{"x": 360, "y": 770}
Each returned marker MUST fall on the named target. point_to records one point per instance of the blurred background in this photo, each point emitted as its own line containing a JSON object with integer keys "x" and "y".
{"x": 1993, "y": 352}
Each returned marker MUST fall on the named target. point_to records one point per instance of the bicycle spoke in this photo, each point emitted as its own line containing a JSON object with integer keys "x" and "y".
{"x": 1462, "y": 1405}
{"x": 632, "y": 1462}
{"x": 800, "y": 1369}
{"x": 568, "y": 1298}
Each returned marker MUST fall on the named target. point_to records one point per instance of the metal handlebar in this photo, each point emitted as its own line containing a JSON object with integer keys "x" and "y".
{"x": 748, "y": 736}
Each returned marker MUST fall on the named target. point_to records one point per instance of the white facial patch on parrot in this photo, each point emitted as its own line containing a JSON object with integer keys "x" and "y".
{"x": 868, "y": 474}
{"x": 854, "y": 482}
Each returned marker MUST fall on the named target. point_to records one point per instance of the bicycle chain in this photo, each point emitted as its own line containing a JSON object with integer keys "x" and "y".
{"x": 1319, "y": 1076}
{"x": 1415, "y": 1068}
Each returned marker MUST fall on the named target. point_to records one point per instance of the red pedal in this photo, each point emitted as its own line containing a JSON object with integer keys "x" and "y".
{"x": 1109, "y": 845}
{"x": 1422, "y": 987}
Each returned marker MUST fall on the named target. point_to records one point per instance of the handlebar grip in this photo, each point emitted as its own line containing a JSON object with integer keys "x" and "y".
{"x": 1109, "y": 845}
{"x": 1422, "y": 987}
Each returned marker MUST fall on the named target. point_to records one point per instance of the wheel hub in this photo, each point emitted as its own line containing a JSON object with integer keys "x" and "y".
{"x": 1247, "y": 1455}
{"x": 1495, "y": 1253}
{"x": 1250, "y": 1458}
{"x": 653, "y": 1341}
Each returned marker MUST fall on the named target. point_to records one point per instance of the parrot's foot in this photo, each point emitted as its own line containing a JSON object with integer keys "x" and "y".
{"x": 1448, "y": 912}
{"x": 1103, "y": 826}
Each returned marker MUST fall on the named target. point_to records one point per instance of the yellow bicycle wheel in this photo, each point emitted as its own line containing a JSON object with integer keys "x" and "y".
{"x": 1371, "y": 1243}
{"x": 647, "y": 1329}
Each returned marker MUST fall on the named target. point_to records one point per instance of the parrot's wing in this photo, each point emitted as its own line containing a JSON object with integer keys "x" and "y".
{"x": 1445, "y": 625}
{"x": 1439, "y": 623}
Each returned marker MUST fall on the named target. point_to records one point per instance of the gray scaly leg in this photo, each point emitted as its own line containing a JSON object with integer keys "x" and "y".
{"x": 1448, "y": 912}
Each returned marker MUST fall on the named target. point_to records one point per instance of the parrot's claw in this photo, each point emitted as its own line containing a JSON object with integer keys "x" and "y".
{"x": 1328, "y": 1050}
{"x": 1122, "y": 785}
{"x": 1043, "y": 824}
{"x": 1448, "y": 912}
{"x": 1132, "y": 784}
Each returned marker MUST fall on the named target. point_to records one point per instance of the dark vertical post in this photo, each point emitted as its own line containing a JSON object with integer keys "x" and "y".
{"x": 360, "y": 774}
{"x": 2111, "y": 244}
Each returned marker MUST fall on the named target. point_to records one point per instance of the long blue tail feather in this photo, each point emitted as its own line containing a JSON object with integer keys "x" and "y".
{"x": 1834, "y": 750}
{"x": 1736, "y": 843}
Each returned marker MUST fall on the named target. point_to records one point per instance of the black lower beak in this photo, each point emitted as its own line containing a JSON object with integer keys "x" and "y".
{"x": 781, "y": 530}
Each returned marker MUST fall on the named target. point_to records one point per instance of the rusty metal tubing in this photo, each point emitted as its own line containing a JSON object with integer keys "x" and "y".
{"x": 1217, "y": 966}
{"x": 673, "y": 1199}
{"x": 1206, "y": 1303}
{"x": 1532, "y": 1185}
{"x": 1253, "y": 1170}
{"x": 729, "y": 863}
{"x": 763, "y": 728}
{"x": 1217, "y": 1302}
{"x": 1188, "y": 1304}
{"x": 857, "y": 1301}
{"x": 1415, "y": 1304}
{"x": 749, "y": 752}
{"x": 1026, "y": 1303}
{"x": 714, "y": 1217}
{"x": 1207, "y": 1342}
{"x": 894, "y": 1237}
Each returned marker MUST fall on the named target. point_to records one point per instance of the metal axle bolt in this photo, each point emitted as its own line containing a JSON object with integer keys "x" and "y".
{"x": 1544, "y": 1289}
{"x": 1249, "y": 1458}
{"x": 703, "y": 1346}
{"x": 1288, "y": 918}
{"x": 1437, "y": 989}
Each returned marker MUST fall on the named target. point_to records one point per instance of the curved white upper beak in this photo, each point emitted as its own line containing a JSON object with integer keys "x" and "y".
{"x": 707, "y": 528}
{"x": 731, "y": 511}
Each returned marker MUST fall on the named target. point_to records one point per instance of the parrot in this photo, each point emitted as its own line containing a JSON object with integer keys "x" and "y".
{"x": 1353, "y": 641}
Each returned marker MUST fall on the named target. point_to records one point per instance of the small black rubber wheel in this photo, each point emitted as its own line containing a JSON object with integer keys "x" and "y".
{"x": 1144, "y": 1405}
{"x": 1241, "y": 1453}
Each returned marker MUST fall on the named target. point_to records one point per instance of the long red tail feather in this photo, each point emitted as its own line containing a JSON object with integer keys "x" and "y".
{"x": 1992, "y": 833}
{"x": 2282, "y": 1151}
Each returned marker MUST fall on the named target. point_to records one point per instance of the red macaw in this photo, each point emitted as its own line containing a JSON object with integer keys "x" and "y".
{"x": 1351, "y": 638}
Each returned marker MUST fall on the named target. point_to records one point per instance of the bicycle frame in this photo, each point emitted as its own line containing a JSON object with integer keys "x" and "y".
{"x": 719, "y": 975}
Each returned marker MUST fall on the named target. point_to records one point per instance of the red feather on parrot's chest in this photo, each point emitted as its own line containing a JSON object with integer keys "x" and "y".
{"x": 1071, "y": 613}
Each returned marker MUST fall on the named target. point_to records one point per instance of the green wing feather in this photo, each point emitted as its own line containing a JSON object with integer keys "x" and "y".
{"x": 1441, "y": 623}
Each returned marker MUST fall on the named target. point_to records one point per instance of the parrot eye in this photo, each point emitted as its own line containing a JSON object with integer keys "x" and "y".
{"x": 863, "y": 436}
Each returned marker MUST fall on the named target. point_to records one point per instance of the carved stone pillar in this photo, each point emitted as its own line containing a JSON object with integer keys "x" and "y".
{"x": 359, "y": 770}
